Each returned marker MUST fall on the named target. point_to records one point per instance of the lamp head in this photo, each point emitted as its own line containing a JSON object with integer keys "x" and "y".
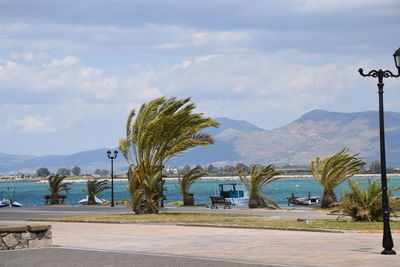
{"x": 396, "y": 56}
{"x": 108, "y": 153}
{"x": 115, "y": 154}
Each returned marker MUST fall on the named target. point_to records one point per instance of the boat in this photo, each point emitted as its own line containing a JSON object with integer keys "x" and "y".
{"x": 236, "y": 194}
{"x": 16, "y": 204}
{"x": 9, "y": 202}
{"x": 304, "y": 201}
{"x": 97, "y": 199}
{"x": 4, "y": 203}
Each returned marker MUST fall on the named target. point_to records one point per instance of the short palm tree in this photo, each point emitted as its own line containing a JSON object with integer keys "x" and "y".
{"x": 331, "y": 171}
{"x": 93, "y": 188}
{"x": 186, "y": 181}
{"x": 259, "y": 178}
{"x": 56, "y": 186}
{"x": 161, "y": 130}
{"x": 366, "y": 204}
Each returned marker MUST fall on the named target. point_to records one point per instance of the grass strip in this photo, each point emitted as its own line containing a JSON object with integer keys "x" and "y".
{"x": 311, "y": 224}
{"x": 143, "y": 218}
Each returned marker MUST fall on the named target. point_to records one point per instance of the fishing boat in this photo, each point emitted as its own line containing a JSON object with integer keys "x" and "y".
{"x": 97, "y": 199}
{"x": 236, "y": 194}
{"x": 9, "y": 202}
{"x": 304, "y": 201}
{"x": 4, "y": 203}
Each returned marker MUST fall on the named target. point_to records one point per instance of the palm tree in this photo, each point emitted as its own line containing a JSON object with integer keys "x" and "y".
{"x": 93, "y": 188}
{"x": 366, "y": 204}
{"x": 332, "y": 171}
{"x": 162, "y": 129}
{"x": 259, "y": 178}
{"x": 56, "y": 186}
{"x": 186, "y": 181}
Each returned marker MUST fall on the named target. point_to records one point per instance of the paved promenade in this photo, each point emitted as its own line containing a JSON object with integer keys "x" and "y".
{"x": 94, "y": 244}
{"x": 219, "y": 245}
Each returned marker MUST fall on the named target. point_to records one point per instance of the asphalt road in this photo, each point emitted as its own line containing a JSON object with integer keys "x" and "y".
{"x": 23, "y": 213}
{"x": 60, "y": 257}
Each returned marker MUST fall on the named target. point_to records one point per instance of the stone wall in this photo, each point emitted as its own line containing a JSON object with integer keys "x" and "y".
{"x": 25, "y": 236}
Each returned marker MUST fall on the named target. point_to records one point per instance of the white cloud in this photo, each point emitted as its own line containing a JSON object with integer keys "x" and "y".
{"x": 263, "y": 61}
{"x": 65, "y": 62}
{"x": 335, "y": 5}
{"x": 35, "y": 124}
{"x": 205, "y": 78}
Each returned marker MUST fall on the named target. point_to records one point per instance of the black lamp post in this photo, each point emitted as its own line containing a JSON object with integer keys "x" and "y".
{"x": 112, "y": 173}
{"x": 387, "y": 242}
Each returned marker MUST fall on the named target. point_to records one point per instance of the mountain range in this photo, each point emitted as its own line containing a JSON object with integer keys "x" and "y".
{"x": 317, "y": 133}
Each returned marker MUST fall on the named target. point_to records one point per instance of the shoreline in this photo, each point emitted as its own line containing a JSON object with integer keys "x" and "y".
{"x": 216, "y": 178}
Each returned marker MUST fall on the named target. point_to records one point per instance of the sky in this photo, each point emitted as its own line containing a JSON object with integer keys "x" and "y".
{"x": 70, "y": 71}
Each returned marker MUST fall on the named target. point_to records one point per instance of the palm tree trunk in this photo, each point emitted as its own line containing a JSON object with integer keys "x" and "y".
{"x": 91, "y": 200}
{"x": 188, "y": 200}
{"x": 328, "y": 197}
{"x": 54, "y": 199}
{"x": 255, "y": 202}
{"x": 145, "y": 205}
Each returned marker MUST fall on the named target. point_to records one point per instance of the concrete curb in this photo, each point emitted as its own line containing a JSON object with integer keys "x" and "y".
{"x": 263, "y": 227}
{"x": 231, "y": 219}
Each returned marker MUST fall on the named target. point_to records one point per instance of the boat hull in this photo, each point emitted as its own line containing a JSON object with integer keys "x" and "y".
{"x": 85, "y": 200}
{"x": 238, "y": 201}
{"x": 304, "y": 201}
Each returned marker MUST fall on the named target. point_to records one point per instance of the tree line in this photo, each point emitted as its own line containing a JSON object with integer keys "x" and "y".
{"x": 75, "y": 171}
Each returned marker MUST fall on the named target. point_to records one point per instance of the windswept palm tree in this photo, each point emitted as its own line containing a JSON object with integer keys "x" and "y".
{"x": 186, "y": 181}
{"x": 333, "y": 170}
{"x": 259, "y": 178}
{"x": 366, "y": 204}
{"x": 162, "y": 129}
{"x": 56, "y": 186}
{"x": 93, "y": 188}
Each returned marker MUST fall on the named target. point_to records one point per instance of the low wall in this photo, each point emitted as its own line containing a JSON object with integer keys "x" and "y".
{"x": 14, "y": 236}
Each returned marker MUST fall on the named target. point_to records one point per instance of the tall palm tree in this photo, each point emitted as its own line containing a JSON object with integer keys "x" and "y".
{"x": 56, "y": 186}
{"x": 186, "y": 181}
{"x": 161, "y": 130}
{"x": 259, "y": 178}
{"x": 331, "y": 171}
{"x": 93, "y": 188}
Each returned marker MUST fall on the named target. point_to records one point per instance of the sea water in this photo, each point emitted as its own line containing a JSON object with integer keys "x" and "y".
{"x": 30, "y": 193}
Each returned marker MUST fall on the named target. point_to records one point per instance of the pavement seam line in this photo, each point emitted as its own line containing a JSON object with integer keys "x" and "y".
{"x": 178, "y": 256}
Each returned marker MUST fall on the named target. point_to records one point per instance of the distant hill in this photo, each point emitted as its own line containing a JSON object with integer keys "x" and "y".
{"x": 320, "y": 133}
{"x": 239, "y": 125}
{"x": 316, "y": 133}
{"x": 87, "y": 160}
{"x": 97, "y": 159}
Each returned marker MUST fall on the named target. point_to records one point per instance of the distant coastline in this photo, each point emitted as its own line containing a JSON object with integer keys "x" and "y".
{"x": 216, "y": 178}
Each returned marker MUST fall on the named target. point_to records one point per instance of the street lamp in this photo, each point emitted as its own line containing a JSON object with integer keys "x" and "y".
{"x": 387, "y": 241}
{"x": 112, "y": 173}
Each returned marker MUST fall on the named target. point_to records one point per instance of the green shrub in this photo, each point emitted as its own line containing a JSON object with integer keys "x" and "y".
{"x": 366, "y": 204}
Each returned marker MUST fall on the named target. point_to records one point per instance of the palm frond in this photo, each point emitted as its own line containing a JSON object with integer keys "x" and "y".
{"x": 333, "y": 170}
{"x": 57, "y": 185}
{"x": 259, "y": 177}
{"x": 188, "y": 179}
{"x": 160, "y": 130}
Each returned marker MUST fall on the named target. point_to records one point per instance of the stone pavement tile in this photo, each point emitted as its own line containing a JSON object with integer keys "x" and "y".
{"x": 268, "y": 246}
